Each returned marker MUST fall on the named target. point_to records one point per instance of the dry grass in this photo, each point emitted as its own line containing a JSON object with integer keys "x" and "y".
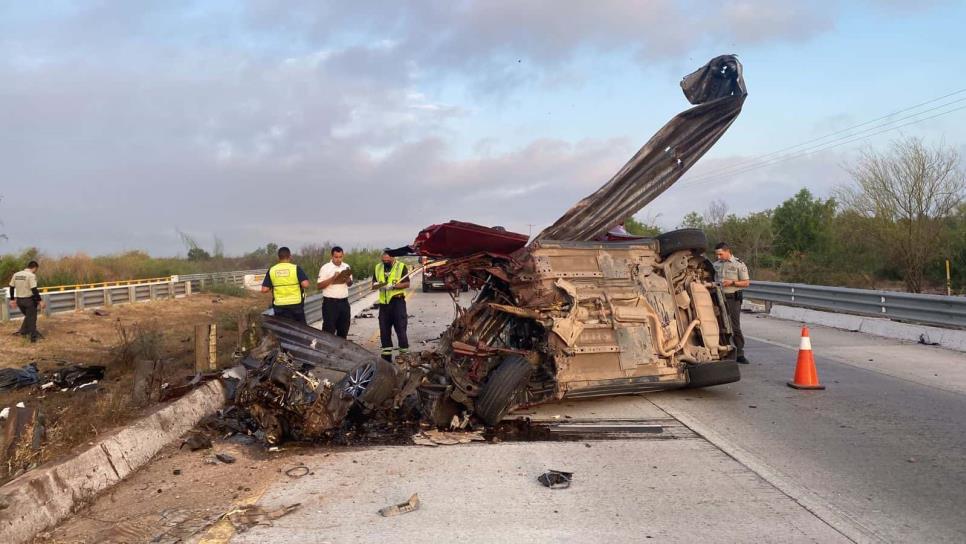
{"x": 160, "y": 330}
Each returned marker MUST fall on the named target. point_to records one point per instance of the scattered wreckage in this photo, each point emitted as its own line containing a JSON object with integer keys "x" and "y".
{"x": 577, "y": 312}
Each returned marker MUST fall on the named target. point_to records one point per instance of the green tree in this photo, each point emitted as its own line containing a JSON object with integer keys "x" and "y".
{"x": 801, "y": 223}
{"x": 750, "y": 236}
{"x": 693, "y": 220}
{"x": 641, "y": 228}
{"x": 911, "y": 191}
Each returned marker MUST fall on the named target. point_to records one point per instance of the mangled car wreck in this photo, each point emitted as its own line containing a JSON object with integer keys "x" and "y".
{"x": 576, "y": 312}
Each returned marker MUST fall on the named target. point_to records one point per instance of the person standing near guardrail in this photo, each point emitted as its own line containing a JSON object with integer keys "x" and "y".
{"x": 733, "y": 276}
{"x": 335, "y": 277}
{"x": 25, "y": 296}
{"x": 287, "y": 282}
{"x": 391, "y": 278}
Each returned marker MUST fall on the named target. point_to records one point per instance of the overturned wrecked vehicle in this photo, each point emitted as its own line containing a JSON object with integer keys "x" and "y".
{"x": 578, "y": 312}
{"x": 581, "y": 311}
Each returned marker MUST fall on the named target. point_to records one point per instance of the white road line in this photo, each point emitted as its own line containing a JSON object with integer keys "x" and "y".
{"x": 837, "y": 519}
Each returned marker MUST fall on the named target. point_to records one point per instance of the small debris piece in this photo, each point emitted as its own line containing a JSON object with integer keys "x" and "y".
{"x": 434, "y": 438}
{"x": 924, "y": 340}
{"x": 365, "y": 315}
{"x": 556, "y": 479}
{"x": 297, "y": 471}
{"x": 77, "y": 375}
{"x": 196, "y": 441}
{"x": 402, "y": 508}
{"x": 176, "y": 472}
{"x": 101, "y": 313}
{"x": 225, "y": 458}
{"x": 15, "y": 378}
{"x": 246, "y": 517}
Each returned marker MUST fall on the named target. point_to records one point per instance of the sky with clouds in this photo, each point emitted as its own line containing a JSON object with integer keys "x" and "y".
{"x": 122, "y": 122}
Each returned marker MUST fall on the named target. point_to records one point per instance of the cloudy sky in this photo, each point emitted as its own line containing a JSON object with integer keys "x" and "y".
{"x": 361, "y": 122}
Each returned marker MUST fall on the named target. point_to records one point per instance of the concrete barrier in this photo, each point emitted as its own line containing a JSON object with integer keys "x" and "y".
{"x": 45, "y": 496}
{"x": 953, "y": 339}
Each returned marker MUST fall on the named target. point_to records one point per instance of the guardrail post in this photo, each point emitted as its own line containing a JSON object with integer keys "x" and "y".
{"x": 132, "y": 294}
{"x": 78, "y": 301}
{"x": 5, "y": 311}
{"x": 46, "y": 299}
{"x": 152, "y": 292}
{"x": 107, "y": 297}
{"x": 206, "y": 347}
{"x": 187, "y": 288}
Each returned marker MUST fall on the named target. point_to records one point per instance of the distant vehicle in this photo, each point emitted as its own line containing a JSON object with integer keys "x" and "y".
{"x": 434, "y": 282}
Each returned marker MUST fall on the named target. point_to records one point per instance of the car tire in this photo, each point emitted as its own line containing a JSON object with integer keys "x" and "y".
{"x": 682, "y": 239}
{"x": 708, "y": 374}
{"x": 372, "y": 383}
{"x": 501, "y": 388}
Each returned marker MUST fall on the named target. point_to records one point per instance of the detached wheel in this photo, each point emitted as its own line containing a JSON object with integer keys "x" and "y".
{"x": 683, "y": 239}
{"x": 372, "y": 384}
{"x": 502, "y": 387}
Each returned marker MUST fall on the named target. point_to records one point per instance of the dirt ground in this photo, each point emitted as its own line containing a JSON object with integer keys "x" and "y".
{"x": 73, "y": 418}
{"x": 190, "y": 493}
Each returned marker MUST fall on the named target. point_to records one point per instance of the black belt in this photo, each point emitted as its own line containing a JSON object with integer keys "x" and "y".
{"x": 732, "y": 295}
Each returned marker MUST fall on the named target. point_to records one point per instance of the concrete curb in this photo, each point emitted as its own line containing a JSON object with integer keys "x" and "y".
{"x": 43, "y": 497}
{"x": 948, "y": 338}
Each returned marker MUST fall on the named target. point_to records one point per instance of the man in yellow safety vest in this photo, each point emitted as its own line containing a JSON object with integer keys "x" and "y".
{"x": 391, "y": 278}
{"x": 287, "y": 282}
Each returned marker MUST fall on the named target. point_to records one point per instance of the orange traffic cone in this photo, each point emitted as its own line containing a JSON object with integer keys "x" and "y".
{"x": 806, "y": 377}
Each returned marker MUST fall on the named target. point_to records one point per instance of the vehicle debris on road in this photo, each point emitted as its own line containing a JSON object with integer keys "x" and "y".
{"x": 244, "y": 518}
{"x": 402, "y": 508}
{"x": 556, "y": 479}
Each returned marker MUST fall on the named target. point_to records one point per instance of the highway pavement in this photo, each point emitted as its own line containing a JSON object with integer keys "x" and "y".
{"x": 879, "y": 456}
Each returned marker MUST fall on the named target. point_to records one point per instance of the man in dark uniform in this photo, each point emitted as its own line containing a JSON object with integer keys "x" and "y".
{"x": 732, "y": 274}
{"x": 25, "y": 296}
{"x": 391, "y": 279}
{"x": 287, "y": 282}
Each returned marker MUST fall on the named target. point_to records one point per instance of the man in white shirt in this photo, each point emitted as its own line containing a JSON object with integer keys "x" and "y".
{"x": 335, "y": 277}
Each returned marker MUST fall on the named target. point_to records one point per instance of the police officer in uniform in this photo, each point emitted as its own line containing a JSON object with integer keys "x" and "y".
{"x": 287, "y": 282}
{"x": 732, "y": 274}
{"x": 388, "y": 278}
{"x": 25, "y": 296}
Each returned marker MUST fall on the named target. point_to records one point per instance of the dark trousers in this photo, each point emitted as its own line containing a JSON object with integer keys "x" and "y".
{"x": 393, "y": 316}
{"x": 28, "y": 307}
{"x": 733, "y": 305}
{"x": 295, "y": 312}
{"x": 336, "y": 316}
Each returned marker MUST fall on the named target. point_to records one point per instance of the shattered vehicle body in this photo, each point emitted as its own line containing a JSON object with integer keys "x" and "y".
{"x": 568, "y": 316}
{"x": 563, "y": 319}
{"x": 576, "y": 312}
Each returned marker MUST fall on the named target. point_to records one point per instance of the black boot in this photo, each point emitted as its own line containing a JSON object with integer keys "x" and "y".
{"x": 743, "y": 360}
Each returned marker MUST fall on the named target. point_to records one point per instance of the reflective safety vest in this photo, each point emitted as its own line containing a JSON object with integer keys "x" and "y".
{"x": 395, "y": 274}
{"x": 286, "y": 290}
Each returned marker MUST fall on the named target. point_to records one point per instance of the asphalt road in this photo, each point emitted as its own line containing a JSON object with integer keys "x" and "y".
{"x": 882, "y": 453}
{"x": 878, "y": 456}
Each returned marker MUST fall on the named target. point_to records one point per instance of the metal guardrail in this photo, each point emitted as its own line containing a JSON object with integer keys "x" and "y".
{"x": 96, "y": 297}
{"x": 201, "y": 281}
{"x": 944, "y": 311}
{"x": 313, "y": 304}
{"x": 64, "y": 299}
